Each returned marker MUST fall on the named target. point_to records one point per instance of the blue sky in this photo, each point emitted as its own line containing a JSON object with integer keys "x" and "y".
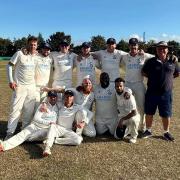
{"x": 160, "y": 19}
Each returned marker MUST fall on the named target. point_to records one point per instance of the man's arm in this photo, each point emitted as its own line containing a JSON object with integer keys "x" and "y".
{"x": 130, "y": 115}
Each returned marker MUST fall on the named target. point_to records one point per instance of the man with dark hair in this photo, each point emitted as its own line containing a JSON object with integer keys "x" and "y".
{"x": 128, "y": 117}
{"x": 160, "y": 72}
{"x": 22, "y": 82}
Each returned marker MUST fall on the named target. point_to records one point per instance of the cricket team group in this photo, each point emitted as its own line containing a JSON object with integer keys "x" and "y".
{"x": 62, "y": 114}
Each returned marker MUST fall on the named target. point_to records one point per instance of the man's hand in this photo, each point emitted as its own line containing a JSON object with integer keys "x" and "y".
{"x": 45, "y": 89}
{"x": 141, "y": 52}
{"x": 120, "y": 123}
{"x": 43, "y": 107}
{"x": 79, "y": 58}
{"x": 126, "y": 95}
{"x": 80, "y": 125}
{"x": 13, "y": 85}
{"x": 94, "y": 56}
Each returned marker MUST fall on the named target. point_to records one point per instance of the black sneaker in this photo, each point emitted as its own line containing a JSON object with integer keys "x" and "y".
{"x": 168, "y": 136}
{"x": 146, "y": 134}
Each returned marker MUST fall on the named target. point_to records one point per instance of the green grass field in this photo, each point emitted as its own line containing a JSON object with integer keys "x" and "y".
{"x": 99, "y": 158}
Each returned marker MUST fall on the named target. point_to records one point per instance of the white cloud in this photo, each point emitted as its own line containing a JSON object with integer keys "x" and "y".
{"x": 166, "y": 37}
{"x": 136, "y": 36}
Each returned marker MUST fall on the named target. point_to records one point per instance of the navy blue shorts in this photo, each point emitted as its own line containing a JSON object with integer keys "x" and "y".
{"x": 163, "y": 102}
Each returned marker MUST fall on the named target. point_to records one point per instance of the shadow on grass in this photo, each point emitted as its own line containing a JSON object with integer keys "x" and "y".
{"x": 34, "y": 149}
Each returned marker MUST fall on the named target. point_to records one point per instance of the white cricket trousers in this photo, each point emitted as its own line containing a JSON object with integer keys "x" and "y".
{"x": 61, "y": 135}
{"x": 31, "y": 133}
{"x": 89, "y": 129}
{"x": 39, "y": 97}
{"x": 132, "y": 125}
{"x": 139, "y": 90}
{"x": 23, "y": 102}
{"x": 105, "y": 124}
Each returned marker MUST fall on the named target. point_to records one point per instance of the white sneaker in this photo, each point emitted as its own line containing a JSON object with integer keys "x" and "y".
{"x": 47, "y": 151}
{"x": 132, "y": 140}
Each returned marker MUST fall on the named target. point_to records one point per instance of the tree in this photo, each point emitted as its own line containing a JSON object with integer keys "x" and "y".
{"x": 41, "y": 40}
{"x": 19, "y": 43}
{"x": 98, "y": 43}
{"x": 56, "y": 38}
{"x": 123, "y": 45}
{"x": 6, "y": 47}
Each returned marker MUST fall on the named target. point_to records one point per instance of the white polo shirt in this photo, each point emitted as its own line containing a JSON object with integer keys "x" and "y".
{"x": 43, "y": 69}
{"x": 67, "y": 115}
{"x": 43, "y": 119}
{"x": 83, "y": 99}
{"x": 133, "y": 66}
{"x": 63, "y": 67}
{"x": 125, "y": 106}
{"x": 105, "y": 99}
{"x": 86, "y": 67}
{"x": 110, "y": 62}
{"x": 24, "y": 72}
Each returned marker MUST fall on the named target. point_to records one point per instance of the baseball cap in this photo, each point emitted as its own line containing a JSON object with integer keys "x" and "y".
{"x": 46, "y": 46}
{"x": 64, "y": 42}
{"x": 69, "y": 92}
{"x": 162, "y": 44}
{"x": 86, "y": 45}
{"x": 133, "y": 41}
{"x": 111, "y": 41}
{"x": 52, "y": 93}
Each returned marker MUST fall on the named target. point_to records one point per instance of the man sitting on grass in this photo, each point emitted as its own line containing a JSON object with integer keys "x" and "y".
{"x": 38, "y": 128}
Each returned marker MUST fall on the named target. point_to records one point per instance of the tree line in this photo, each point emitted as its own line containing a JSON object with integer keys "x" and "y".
{"x": 9, "y": 47}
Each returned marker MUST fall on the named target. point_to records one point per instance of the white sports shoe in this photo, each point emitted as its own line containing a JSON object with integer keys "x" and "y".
{"x": 132, "y": 140}
{"x": 47, "y": 151}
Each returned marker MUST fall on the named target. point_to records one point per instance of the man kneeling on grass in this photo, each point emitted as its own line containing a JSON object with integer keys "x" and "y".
{"x": 70, "y": 115}
{"x": 127, "y": 114}
{"x": 38, "y": 129}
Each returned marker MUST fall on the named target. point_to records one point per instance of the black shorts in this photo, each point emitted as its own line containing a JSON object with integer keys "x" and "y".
{"x": 163, "y": 102}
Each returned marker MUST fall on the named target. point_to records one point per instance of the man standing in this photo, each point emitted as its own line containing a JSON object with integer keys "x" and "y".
{"x": 42, "y": 74}
{"x": 86, "y": 64}
{"x": 133, "y": 62}
{"x": 62, "y": 132}
{"x": 63, "y": 61}
{"x": 127, "y": 113}
{"x": 160, "y": 72}
{"x": 38, "y": 128}
{"x": 23, "y": 85}
{"x": 109, "y": 59}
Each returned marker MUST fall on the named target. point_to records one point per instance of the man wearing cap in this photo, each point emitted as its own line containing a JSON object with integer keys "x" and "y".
{"x": 22, "y": 82}
{"x": 42, "y": 74}
{"x": 38, "y": 129}
{"x": 86, "y": 64}
{"x": 127, "y": 113}
{"x": 62, "y": 133}
{"x": 63, "y": 62}
{"x": 84, "y": 96}
{"x": 160, "y": 72}
{"x": 133, "y": 62}
{"x": 109, "y": 59}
